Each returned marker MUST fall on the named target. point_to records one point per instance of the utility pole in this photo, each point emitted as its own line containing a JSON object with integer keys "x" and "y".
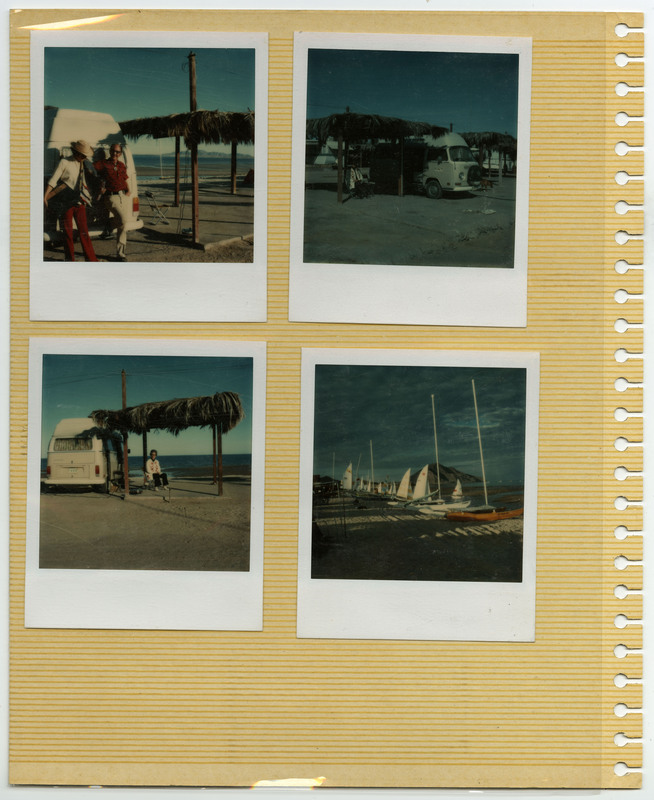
{"x": 125, "y": 450}
{"x": 195, "y": 185}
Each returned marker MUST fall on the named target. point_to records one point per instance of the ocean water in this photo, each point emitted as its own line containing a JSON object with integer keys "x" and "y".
{"x": 207, "y": 165}
{"x": 184, "y": 466}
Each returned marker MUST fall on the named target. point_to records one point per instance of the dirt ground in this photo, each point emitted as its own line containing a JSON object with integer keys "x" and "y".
{"x": 189, "y": 528}
{"x": 226, "y": 228}
{"x": 376, "y": 542}
{"x": 474, "y": 229}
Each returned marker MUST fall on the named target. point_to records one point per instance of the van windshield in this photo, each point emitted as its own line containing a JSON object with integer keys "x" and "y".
{"x": 69, "y": 445}
{"x": 461, "y": 153}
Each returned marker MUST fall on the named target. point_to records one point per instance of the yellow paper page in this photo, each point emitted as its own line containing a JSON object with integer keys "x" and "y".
{"x": 118, "y": 706}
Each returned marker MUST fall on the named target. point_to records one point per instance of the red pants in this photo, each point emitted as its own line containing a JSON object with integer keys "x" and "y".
{"x": 79, "y": 214}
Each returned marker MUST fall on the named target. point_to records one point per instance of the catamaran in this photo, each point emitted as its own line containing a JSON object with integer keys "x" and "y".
{"x": 485, "y": 513}
{"x": 423, "y": 497}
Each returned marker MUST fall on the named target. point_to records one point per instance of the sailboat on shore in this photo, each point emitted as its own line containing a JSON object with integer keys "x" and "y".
{"x": 432, "y": 502}
{"x": 485, "y": 513}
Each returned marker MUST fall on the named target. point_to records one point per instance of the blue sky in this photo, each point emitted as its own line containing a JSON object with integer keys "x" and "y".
{"x": 148, "y": 82}
{"x": 75, "y": 385}
{"x": 391, "y": 406}
{"x": 472, "y": 91}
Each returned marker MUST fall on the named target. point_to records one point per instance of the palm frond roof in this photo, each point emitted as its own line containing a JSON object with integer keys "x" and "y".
{"x": 195, "y": 127}
{"x": 223, "y": 409}
{"x": 361, "y": 127}
{"x": 493, "y": 139}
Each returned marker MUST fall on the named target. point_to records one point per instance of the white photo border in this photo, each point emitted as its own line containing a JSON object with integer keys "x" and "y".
{"x": 417, "y": 610}
{"x": 387, "y": 294}
{"x": 181, "y": 292}
{"x": 144, "y": 599}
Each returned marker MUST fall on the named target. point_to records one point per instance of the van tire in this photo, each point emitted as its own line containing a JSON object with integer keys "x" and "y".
{"x": 433, "y": 190}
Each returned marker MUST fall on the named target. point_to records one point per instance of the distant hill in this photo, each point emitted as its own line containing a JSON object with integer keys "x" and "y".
{"x": 447, "y": 474}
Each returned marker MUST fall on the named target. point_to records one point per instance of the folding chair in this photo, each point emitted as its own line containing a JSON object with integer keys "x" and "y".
{"x": 158, "y": 209}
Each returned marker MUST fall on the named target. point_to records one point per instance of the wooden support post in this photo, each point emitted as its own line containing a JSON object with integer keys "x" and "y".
{"x": 214, "y": 437}
{"x": 220, "y": 459}
{"x": 145, "y": 453}
{"x": 176, "y": 203}
{"x": 234, "y": 146}
{"x": 123, "y": 377}
{"x": 195, "y": 183}
{"x": 339, "y": 177}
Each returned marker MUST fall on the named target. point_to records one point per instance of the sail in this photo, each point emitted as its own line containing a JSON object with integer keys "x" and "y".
{"x": 403, "y": 491}
{"x": 422, "y": 484}
{"x": 347, "y": 479}
{"x": 458, "y": 490}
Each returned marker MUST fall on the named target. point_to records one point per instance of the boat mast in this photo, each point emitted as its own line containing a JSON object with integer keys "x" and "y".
{"x": 481, "y": 450}
{"x": 438, "y": 469}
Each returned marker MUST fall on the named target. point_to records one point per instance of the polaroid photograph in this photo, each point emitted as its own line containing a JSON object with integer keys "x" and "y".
{"x": 146, "y": 466}
{"x": 418, "y": 495}
{"x": 410, "y": 179}
{"x": 148, "y": 181}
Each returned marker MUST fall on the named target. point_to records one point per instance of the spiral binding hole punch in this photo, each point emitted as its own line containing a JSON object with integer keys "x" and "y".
{"x": 629, "y": 356}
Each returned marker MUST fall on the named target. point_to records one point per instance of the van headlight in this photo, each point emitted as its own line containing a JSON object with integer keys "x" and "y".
{"x": 461, "y": 175}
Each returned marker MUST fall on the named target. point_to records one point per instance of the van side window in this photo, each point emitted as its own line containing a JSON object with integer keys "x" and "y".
{"x": 71, "y": 445}
{"x": 438, "y": 154}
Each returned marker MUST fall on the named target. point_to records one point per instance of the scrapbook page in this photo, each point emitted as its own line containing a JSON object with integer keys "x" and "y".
{"x": 315, "y": 445}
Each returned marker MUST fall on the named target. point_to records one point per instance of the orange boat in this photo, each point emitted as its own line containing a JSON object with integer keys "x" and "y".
{"x": 484, "y": 516}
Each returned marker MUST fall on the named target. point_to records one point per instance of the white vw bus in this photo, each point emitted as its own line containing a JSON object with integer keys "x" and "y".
{"x": 81, "y": 455}
{"x": 65, "y": 125}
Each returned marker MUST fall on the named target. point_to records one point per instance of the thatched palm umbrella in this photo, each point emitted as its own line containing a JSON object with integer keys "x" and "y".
{"x": 349, "y": 127}
{"x": 487, "y": 141}
{"x": 196, "y": 127}
{"x": 221, "y": 412}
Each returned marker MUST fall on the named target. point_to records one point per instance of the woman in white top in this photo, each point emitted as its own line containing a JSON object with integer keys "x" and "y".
{"x": 153, "y": 469}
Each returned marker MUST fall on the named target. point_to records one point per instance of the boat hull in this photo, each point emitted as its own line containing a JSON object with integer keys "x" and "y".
{"x": 483, "y": 516}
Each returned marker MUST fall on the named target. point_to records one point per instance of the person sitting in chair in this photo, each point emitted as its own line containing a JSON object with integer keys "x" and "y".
{"x": 153, "y": 471}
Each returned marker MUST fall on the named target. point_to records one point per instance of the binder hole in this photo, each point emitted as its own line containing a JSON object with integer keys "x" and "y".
{"x": 620, "y": 739}
{"x": 621, "y": 414}
{"x": 622, "y": 119}
{"x": 621, "y": 562}
{"x": 621, "y": 266}
{"x": 621, "y": 591}
{"x": 622, "y": 89}
{"x": 621, "y": 325}
{"x": 621, "y": 473}
{"x": 621, "y": 384}
{"x": 621, "y": 532}
{"x": 622, "y": 177}
{"x": 621, "y": 296}
{"x": 621, "y": 355}
{"x": 621, "y": 503}
{"x": 621, "y": 444}
{"x": 622, "y": 59}
{"x": 621, "y": 237}
{"x": 621, "y": 207}
{"x": 620, "y": 680}
{"x": 620, "y": 710}
{"x": 621, "y": 769}
{"x": 621, "y": 621}
{"x": 622, "y": 148}
{"x": 620, "y": 651}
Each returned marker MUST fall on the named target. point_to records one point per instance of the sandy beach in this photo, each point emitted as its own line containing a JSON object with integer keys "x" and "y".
{"x": 188, "y": 528}
{"x": 360, "y": 539}
{"x": 473, "y": 229}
